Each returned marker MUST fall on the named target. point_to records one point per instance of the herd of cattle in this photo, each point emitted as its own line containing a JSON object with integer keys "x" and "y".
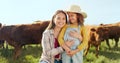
{"x": 24, "y": 34}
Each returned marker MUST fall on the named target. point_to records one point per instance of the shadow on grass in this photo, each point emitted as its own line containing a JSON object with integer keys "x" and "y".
{"x": 113, "y": 53}
{"x": 34, "y": 51}
{"x": 6, "y": 52}
{"x": 28, "y": 55}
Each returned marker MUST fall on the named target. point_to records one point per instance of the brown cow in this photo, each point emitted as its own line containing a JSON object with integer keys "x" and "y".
{"x": 113, "y": 33}
{"x": 2, "y": 44}
{"x": 20, "y": 35}
{"x": 3, "y": 41}
{"x": 101, "y": 33}
{"x": 92, "y": 40}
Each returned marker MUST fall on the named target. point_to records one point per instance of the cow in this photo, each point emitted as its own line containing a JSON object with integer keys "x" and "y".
{"x": 92, "y": 40}
{"x": 101, "y": 33}
{"x": 20, "y": 35}
{"x": 113, "y": 33}
{"x": 2, "y": 43}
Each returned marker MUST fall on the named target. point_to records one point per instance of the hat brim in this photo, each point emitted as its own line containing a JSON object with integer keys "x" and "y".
{"x": 82, "y": 13}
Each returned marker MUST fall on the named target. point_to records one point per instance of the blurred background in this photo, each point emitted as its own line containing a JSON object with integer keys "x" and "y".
{"x": 27, "y": 11}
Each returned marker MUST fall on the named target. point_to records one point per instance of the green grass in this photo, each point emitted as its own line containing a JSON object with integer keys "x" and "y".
{"x": 32, "y": 53}
{"x": 105, "y": 55}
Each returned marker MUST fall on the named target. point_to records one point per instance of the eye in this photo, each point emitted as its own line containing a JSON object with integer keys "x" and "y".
{"x": 71, "y": 15}
{"x": 64, "y": 19}
{"x": 58, "y": 18}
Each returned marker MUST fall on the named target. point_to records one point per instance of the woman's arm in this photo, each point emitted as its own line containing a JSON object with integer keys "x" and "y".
{"x": 75, "y": 34}
{"x": 61, "y": 39}
{"x": 48, "y": 46}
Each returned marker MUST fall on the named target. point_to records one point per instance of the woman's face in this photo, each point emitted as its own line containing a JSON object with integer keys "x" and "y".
{"x": 60, "y": 20}
{"x": 72, "y": 17}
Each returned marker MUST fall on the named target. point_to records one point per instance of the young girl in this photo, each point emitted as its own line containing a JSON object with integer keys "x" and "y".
{"x": 73, "y": 31}
{"x": 51, "y": 49}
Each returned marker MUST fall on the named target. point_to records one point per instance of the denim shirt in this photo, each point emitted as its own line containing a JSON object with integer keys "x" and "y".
{"x": 68, "y": 37}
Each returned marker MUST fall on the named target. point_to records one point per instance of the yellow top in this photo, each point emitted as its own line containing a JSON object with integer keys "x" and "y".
{"x": 83, "y": 32}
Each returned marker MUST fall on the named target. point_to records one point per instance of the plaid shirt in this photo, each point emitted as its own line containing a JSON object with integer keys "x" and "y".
{"x": 49, "y": 51}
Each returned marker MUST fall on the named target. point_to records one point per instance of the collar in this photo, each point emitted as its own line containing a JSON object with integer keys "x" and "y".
{"x": 51, "y": 31}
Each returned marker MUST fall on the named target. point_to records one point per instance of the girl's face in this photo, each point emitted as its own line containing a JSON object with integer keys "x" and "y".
{"x": 60, "y": 20}
{"x": 72, "y": 18}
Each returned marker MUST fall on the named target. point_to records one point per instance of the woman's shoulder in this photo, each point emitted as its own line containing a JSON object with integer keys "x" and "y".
{"x": 48, "y": 31}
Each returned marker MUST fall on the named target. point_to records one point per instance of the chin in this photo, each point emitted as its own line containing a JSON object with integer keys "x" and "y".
{"x": 60, "y": 26}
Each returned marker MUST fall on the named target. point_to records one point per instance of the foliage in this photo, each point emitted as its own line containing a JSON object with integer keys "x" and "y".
{"x": 32, "y": 53}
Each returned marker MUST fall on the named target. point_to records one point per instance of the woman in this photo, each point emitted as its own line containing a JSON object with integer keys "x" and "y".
{"x": 51, "y": 50}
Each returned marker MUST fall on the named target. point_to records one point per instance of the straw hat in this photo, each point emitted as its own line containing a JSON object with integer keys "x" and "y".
{"x": 76, "y": 9}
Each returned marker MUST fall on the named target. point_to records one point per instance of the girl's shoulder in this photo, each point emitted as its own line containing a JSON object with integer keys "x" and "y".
{"x": 65, "y": 26}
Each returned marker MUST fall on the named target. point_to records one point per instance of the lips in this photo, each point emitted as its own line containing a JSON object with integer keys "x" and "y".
{"x": 60, "y": 23}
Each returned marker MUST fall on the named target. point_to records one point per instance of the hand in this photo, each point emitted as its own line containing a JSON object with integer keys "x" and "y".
{"x": 66, "y": 48}
{"x": 69, "y": 43}
{"x": 75, "y": 34}
{"x": 71, "y": 53}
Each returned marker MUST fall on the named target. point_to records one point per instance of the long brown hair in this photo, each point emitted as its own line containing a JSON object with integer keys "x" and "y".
{"x": 0, "y": 24}
{"x": 52, "y": 24}
{"x": 80, "y": 19}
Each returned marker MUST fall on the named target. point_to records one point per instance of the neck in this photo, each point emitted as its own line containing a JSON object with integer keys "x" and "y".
{"x": 56, "y": 31}
{"x": 75, "y": 24}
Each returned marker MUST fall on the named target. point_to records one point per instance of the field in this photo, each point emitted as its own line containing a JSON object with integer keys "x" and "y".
{"x": 31, "y": 54}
